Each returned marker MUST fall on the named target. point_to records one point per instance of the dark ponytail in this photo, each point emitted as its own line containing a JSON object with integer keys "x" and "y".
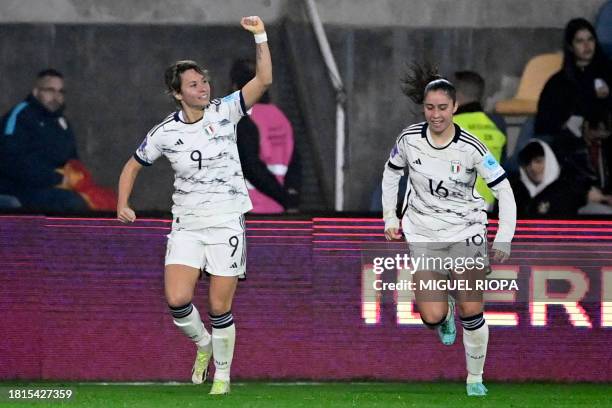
{"x": 418, "y": 80}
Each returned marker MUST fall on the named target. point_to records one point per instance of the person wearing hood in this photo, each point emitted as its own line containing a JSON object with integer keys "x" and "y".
{"x": 543, "y": 189}
{"x": 35, "y": 144}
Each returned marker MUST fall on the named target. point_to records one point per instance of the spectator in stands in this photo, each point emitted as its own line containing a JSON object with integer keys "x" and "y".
{"x": 471, "y": 117}
{"x": 35, "y": 144}
{"x": 544, "y": 189}
{"x": 270, "y": 162}
{"x": 575, "y": 106}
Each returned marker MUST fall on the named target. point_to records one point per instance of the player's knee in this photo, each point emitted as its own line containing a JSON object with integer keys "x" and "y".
{"x": 219, "y": 306}
{"x": 433, "y": 315}
{"x": 469, "y": 308}
{"x": 433, "y": 320}
{"x": 177, "y": 299}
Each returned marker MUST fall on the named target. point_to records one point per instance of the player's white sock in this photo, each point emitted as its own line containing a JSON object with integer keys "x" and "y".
{"x": 223, "y": 340}
{"x": 187, "y": 318}
{"x": 475, "y": 340}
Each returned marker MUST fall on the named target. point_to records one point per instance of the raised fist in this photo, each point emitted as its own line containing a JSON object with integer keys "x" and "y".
{"x": 253, "y": 24}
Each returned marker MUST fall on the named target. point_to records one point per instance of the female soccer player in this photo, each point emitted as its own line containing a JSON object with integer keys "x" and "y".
{"x": 443, "y": 213}
{"x": 210, "y": 199}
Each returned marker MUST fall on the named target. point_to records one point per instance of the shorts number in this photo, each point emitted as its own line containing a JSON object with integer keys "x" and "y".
{"x": 439, "y": 191}
{"x": 196, "y": 156}
{"x": 233, "y": 241}
{"x": 477, "y": 240}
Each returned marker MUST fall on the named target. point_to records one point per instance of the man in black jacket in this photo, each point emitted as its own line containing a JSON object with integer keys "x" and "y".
{"x": 35, "y": 143}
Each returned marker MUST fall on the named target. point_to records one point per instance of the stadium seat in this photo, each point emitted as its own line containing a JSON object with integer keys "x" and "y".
{"x": 603, "y": 27}
{"x": 537, "y": 71}
{"x": 9, "y": 202}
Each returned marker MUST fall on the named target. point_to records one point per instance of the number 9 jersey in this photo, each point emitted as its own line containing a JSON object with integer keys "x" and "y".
{"x": 441, "y": 202}
{"x": 209, "y": 187}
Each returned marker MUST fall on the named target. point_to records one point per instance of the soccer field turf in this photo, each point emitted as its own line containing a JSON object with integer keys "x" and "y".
{"x": 363, "y": 394}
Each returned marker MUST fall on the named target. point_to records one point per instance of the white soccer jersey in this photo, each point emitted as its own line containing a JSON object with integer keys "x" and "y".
{"x": 208, "y": 181}
{"x": 441, "y": 202}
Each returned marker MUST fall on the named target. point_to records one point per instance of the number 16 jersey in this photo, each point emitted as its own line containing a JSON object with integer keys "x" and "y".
{"x": 441, "y": 203}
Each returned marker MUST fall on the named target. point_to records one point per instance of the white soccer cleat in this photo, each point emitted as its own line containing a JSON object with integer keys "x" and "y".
{"x": 200, "y": 366}
{"x": 220, "y": 387}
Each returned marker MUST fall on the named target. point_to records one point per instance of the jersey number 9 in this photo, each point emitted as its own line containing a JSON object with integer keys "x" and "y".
{"x": 196, "y": 156}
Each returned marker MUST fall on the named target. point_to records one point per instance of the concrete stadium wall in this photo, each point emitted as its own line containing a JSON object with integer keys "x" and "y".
{"x": 362, "y": 13}
{"x": 455, "y": 13}
{"x": 138, "y": 11}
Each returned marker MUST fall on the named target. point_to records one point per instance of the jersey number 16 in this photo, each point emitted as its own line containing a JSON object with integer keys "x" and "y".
{"x": 439, "y": 191}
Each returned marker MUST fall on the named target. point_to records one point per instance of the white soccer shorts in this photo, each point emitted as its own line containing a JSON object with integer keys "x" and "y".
{"x": 219, "y": 250}
{"x": 436, "y": 256}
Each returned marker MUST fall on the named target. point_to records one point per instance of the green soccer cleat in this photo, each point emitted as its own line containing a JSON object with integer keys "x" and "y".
{"x": 199, "y": 372}
{"x": 447, "y": 331}
{"x": 220, "y": 387}
{"x": 476, "y": 390}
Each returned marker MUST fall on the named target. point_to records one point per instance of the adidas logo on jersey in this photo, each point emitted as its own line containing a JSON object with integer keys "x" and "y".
{"x": 178, "y": 142}
{"x": 417, "y": 161}
{"x": 234, "y": 265}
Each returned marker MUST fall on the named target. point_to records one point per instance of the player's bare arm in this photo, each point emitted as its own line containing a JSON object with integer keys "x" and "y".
{"x": 126, "y": 182}
{"x": 256, "y": 87}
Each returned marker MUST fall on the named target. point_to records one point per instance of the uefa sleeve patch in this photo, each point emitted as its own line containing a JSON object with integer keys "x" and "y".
{"x": 234, "y": 96}
{"x": 394, "y": 151}
{"x": 490, "y": 162}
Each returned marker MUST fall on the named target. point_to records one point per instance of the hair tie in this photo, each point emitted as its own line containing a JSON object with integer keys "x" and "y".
{"x": 439, "y": 80}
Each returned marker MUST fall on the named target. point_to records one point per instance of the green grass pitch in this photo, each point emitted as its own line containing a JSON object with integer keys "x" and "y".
{"x": 362, "y": 394}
